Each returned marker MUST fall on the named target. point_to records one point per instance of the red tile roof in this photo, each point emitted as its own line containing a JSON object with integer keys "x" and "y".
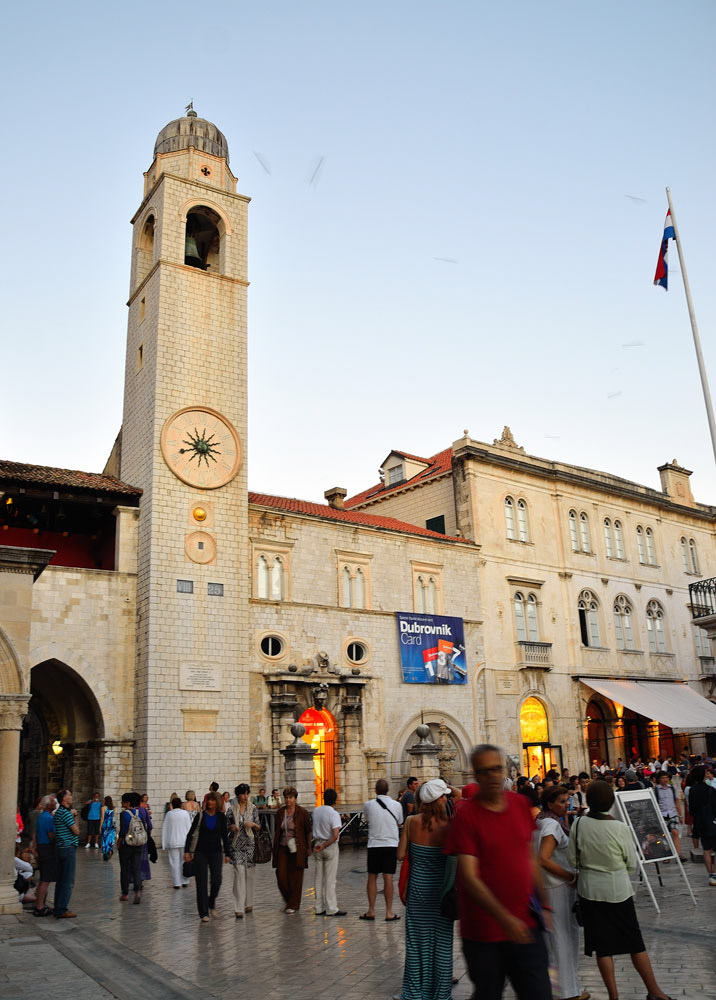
{"x": 45, "y": 475}
{"x": 290, "y": 505}
{"x": 438, "y": 465}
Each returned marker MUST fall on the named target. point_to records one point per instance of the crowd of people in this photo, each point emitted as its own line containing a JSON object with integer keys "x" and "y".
{"x": 523, "y": 861}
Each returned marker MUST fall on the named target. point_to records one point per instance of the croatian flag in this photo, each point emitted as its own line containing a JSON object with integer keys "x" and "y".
{"x": 662, "y": 265}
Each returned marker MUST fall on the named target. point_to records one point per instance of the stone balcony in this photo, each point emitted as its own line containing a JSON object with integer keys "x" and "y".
{"x": 533, "y": 655}
{"x": 707, "y": 667}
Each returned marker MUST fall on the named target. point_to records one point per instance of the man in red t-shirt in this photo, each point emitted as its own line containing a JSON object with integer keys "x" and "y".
{"x": 498, "y": 883}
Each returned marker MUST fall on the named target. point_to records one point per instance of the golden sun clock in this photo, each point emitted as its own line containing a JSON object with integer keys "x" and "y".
{"x": 201, "y": 447}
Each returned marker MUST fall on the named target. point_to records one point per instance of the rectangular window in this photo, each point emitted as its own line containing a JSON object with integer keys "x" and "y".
{"x": 185, "y": 586}
{"x": 436, "y": 524}
{"x": 394, "y": 475}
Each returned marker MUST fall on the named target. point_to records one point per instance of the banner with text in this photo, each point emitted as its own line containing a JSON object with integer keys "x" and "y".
{"x": 432, "y": 649}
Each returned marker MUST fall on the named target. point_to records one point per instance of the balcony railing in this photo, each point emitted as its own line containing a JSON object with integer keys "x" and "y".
{"x": 535, "y": 654}
{"x": 702, "y": 597}
{"x": 708, "y": 666}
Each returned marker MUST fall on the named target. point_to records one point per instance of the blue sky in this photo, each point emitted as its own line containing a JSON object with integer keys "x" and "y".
{"x": 505, "y": 137}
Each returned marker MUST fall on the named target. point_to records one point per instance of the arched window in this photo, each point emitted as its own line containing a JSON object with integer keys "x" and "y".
{"x": 618, "y": 540}
{"x": 277, "y": 579}
{"x": 573, "y": 533}
{"x": 588, "y": 609}
{"x": 420, "y": 594}
{"x": 655, "y": 627}
{"x": 693, "y": 556}
{"x": 520, "y": 619}
{"x": 623, "y": 623}
{"x": 145, "y": 249}
{"x": 532, "y": 622}
{"x": 431, "y": 594}
{"x": 202, "y": 241}
{"x": 650, "y": 549}
{"x": 510, "y": 517}
{"x": 346, "y": 585}
{"x": 608, "y": 539}
{"x": 685, "y": 558}
{"x": 263, "y": 577}
{"x": 359, "y": 589}
{"x": 584, "y": 532}
{"x": 640, "y": 544}
{"x": 522, "y": 521}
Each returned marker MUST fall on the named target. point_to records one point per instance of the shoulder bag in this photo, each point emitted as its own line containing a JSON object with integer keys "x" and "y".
{"x": 577, "y": 907}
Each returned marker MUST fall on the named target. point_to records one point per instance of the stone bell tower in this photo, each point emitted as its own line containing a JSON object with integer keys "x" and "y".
{"x": 184, "y": 443}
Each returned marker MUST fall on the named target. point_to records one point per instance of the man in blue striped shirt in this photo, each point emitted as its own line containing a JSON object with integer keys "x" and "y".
{"x": 66, "y": 839}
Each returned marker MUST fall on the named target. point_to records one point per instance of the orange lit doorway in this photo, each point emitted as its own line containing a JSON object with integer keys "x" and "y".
{"x": 538, "y": 754}
{"x": 322, "y": 736}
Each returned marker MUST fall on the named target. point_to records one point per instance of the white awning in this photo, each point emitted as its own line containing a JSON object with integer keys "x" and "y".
{"x": 675, "y": 705}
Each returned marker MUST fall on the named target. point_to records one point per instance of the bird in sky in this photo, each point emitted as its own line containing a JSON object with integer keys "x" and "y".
{"x": 446, "y": 260}
{"x": 316, "y": 171}
{"x": 613, "y": 395}
{"x": 634, "y": 343}
{"x": 633, "y": 197}
{"x": 263, "y": 161}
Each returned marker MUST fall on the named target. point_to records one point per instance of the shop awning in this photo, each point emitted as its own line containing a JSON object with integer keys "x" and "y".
{"x": 675, "y": 705}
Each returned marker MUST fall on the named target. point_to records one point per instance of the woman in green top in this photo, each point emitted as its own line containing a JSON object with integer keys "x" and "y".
{"x": 602, "y": 850}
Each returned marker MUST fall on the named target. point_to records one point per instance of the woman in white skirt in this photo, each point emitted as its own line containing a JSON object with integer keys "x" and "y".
{"x": 560, "y": 883}
{"x": 242, "y": 817}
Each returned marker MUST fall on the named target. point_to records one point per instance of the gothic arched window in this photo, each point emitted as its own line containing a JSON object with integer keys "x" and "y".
{"x": 655, "y": 627}
{"x": 588, "y": 608}
{"x": 623, "y": 623}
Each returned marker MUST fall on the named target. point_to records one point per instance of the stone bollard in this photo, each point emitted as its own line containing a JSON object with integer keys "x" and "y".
{"x": 298, "y": 767}
{"x": 424, "y": 762}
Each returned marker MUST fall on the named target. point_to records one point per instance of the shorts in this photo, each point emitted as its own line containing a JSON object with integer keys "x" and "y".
{"x": 382, "y": 860}
{"x": 47, "y": 860}
{"x": 672, "y": 823}
{"x": 708, "y": 843}
{"x": 92, "y": 827}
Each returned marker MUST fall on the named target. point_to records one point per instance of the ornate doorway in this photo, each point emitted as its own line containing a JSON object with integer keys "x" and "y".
{"x": 597, "y": 744}
{"x": 538, "y": 754}
{"x": 322, "y": 736}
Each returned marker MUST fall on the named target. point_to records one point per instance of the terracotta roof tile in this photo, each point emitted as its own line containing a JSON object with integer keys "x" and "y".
{"x": 45, "y": 475}
{"x": 291, "y": 505}
{"x": 438, "y": 465}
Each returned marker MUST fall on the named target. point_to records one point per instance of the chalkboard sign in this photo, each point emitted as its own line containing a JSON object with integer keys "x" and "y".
{"x": 642, "y": 815}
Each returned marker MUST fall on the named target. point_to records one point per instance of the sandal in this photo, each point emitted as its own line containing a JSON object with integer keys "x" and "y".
{"x": 365, "y": 916}
{"x": 44, "y": 912}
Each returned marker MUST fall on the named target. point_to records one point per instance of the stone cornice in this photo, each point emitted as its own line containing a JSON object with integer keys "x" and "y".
{"x": 575, "y": 476}
{"x": 14, "y": 559}
{"x": 13, "y": 709}
{"x": 185, "y": 180}
{"x": 183, "y": 267}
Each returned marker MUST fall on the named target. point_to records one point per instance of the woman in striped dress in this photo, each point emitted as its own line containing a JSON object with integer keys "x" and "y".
{"x": 428, "y": 935}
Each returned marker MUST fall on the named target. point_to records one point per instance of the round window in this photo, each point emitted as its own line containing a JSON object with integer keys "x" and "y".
{"x": 356, "y": 652}
{"x": 271, "y": 645}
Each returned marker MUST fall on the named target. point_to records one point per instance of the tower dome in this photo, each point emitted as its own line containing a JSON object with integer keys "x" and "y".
{"x": 192, "y": 131}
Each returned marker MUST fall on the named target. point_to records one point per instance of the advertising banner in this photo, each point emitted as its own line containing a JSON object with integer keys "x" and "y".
{"x": 432, "y": 649}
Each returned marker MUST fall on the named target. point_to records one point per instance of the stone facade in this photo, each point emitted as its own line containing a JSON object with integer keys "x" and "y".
{"x": 556, "y": 560}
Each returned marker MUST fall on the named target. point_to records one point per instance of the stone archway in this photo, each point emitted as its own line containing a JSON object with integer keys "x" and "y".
{"x": 61, "y": 741}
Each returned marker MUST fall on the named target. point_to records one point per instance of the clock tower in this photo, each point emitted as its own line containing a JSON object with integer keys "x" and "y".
{"x": 184, "y": 443}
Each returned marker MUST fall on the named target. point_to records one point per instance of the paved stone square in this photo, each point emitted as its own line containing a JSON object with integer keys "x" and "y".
{"x": 160, "y": 950}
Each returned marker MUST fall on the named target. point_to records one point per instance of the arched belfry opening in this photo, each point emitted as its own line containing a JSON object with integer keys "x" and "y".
{"x": 202, "y": 245}
{"x": 60, "y": 740}
{"x": 145, "y": 249}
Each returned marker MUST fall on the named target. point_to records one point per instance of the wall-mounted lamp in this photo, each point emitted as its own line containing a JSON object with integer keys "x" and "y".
{"x": 57, "y": 747}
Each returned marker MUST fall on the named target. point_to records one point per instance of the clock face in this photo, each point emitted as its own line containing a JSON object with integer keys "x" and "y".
{"x": 201, "y": 447}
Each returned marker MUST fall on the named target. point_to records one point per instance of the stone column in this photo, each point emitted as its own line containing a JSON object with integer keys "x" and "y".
{"x": 353, "y": 787}
{"x": 284, "y": 707}
{"x": 13, "y": 708}
{"x": 424, "y": 763}
{"x": 298, "y": 767}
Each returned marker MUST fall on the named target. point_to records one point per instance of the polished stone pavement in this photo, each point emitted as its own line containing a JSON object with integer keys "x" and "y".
{"x": 159, "y": 950}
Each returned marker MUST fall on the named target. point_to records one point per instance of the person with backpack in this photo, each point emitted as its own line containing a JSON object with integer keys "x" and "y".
{"x": 134, "y": 826}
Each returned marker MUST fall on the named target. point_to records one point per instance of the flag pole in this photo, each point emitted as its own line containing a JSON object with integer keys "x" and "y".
{"x": 694, "y": 328}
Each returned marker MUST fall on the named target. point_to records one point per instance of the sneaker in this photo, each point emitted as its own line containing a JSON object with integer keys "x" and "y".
{"x": 289, "y": 910}
{"x": 214, "y": 914}
{"x": 712, "y": 879}
{"x": 87, "y": 846}
{"x": 205, "y": 920}
{"x": 96, "y": 847}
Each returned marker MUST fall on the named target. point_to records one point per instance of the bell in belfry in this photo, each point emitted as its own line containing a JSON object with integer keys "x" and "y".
{"x": 191, "y": 253}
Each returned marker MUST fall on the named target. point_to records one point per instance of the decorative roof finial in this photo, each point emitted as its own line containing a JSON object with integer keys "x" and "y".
{"x": 190, "y": 112}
